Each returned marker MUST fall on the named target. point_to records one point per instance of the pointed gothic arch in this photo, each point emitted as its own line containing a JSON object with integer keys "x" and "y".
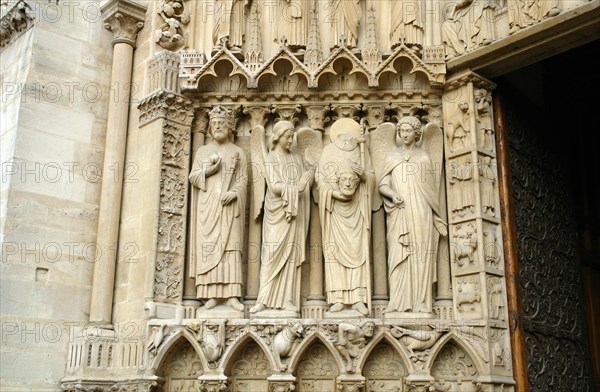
{"x": 180, "y": 366}
{"x": 250, "y": 366}
{"x": 316, "y": 367}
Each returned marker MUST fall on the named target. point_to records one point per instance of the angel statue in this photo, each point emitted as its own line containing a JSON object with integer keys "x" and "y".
{"x": 345, "y": 181}
{"x": 409, "y": 182}
{"x": 218, "y": 202}
{"x": 285, "y": 221}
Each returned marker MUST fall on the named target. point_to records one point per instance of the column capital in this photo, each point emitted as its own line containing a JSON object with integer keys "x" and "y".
{"x": 125, "y": 19}
{"x": 463, "y": 78}
{"x": 168, "y": 105}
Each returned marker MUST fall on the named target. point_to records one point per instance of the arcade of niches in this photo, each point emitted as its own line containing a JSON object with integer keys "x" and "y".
{"x": 336, "y": 69}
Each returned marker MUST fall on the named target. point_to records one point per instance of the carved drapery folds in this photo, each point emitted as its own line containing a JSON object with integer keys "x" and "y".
{"x": 15, "y": 22}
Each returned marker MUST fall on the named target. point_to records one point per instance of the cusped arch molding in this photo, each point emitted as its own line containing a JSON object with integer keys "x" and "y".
{"x": 342, "y": 61}
{"x": 172, "y": 343}
{"x": 386, "y": 339}
{"x": 305, "y": 345}
{"x": 236, "y": 347}
{"x": 384, "y": 368}
{"x": 454, "y": 365}
{"x": 283, "y": 63}
{"x": 418, "y": 66}
{"x": 317, "y": 368}
{"x": 180, "y": 367}
{"x": 249, "y": 369}
{"x": 352, "y": 66}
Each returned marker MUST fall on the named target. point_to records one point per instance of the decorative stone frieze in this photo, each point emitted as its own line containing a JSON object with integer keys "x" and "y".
{"x": 17, "y": 20}
{"x": 165, "y": 105}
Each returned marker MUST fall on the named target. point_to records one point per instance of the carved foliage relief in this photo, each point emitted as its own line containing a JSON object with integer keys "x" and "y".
{"x": 250, "y": 371}
{"x": 181, "y": 369}
{"x": 384, "y": 370}
{"x": 317, "y": 370}
{"x": 169, "y": 264}
{"x": 453, "y": 369}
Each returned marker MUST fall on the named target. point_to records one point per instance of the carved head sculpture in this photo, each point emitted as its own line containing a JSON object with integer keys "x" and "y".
{"x": 482, "y": 94}
{"x": 408, "y": 130}
{"x": 279, "y": 130}
{"x": 368, "y": 328}
{"x": 464, "y": 106}
{"x": 347, "y": 180}
{"x": 221, "y": 124}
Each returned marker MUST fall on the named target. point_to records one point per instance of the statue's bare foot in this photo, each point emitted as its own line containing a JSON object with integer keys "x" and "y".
{"x": 211, "y": 303}
{"x": 236, "y": 304}
{"x": 257, "y": 308}
{"x": 361, "y": 308}
{"x": 336, "y": 307}
{"x": 290, "y": 307}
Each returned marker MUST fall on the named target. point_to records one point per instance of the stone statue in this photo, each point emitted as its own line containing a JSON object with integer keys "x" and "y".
{"x": 410, "y": 187}
{"x": 460, "y": 177}
{"x": 406, "y": 23}
{"x": 524, "y": 13}
{"x": 217, "y": 205}
{"x": 483, "y": 102}
{"x": 345, "y": 179}
{"x": 418, "y": 339}
{"x": 495, "y": 298}
{"x": 229, "y": 23}
{"x": 459, "y": 128}
{"x": 351, "y": 340}
{"x": 285, "y": 220}
{"x": 346, "y": 15}
{"x": 488, "y": 181}
{"x": 286, "y": 340}
{"x": 293, "y": 23}
{"x": 469, "y": 24}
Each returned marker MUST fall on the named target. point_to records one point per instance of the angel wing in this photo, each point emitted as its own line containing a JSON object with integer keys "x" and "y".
{"x": 432, "y": 141}
{"x": 310, "y": 145}
{"x": 383, "y": 140}
{"x": 258, "y": 155}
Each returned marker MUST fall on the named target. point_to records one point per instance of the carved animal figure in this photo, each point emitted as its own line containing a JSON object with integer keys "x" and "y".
{"x": 211, "y": 339}
{"x": 285, "y": 341}
{"x": 465, "y": 243}
{"x": 468, "y": 294}
{"x": 157, "y": 339}
{"x": 418, "y": 340}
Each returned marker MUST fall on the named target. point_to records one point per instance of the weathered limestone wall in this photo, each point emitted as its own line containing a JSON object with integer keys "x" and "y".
{"x": 52, "y": 150}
